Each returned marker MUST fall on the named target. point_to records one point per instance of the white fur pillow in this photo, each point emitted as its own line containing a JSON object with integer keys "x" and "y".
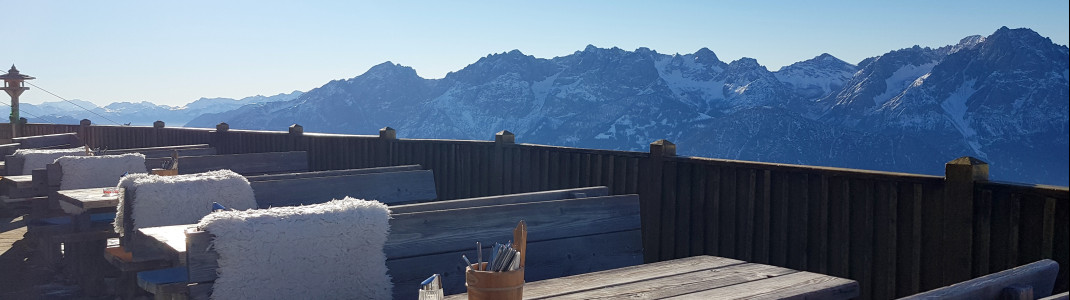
{"x": 182, "y": 199}
{"x": 38, "y": 158}
{"x": 80, "y": 172}
{"x": 331, "y": 250}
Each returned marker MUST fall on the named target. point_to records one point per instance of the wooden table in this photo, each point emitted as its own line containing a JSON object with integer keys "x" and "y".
{"x": 699, "y": 277}
{"x": 169, "y": 241}
{"x": 81, "y": 200}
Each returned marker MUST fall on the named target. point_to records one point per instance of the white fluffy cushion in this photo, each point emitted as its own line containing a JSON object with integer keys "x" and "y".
{"x": 332, "y": 250}
{"x": 38, "y": 158}
{"x": 80, "y": 172}
{"x": 182, "y": 199}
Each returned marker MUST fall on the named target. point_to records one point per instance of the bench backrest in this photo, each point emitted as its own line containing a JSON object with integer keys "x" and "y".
{"x": 1032, "y": 281}
{"x": 333, "y": 173}
{"x": 244, "y": 163}
{"x": 566, "y": 237}
{"x": 389, "y": 188}
{"x": 165, "y": 151}
{"x": 8, "y": 149}
{"x": 13, "y": 164}
{"x": 59, "y": 140}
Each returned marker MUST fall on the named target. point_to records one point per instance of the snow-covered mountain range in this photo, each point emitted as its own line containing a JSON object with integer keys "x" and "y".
{"x": 1002, "y": 98}
{"x": 139, "y": 113}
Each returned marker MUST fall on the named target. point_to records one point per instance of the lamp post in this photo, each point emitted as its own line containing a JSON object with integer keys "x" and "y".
{"x": 13, "y": 81}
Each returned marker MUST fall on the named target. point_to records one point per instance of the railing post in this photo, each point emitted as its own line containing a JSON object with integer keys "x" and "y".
{"x": 296, "y": 137}
{"x": 502, "y": 139}
{"x": 650, "y": 197}
{"x": 387, "y": 140}
{"x": 219, "y": 138}
{"x": 157, "y": 138}
{"x": 83, "y": 132}
{"x": 957, "y": 226}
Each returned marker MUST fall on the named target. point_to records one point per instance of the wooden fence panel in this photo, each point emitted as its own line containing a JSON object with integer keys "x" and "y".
{"x": 886, "y": 230}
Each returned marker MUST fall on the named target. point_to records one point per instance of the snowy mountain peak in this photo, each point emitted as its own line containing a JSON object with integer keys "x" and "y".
{"x": 707, "y": 57}
{"x": 745, "y": 63}
{"x": 389, "y": 69}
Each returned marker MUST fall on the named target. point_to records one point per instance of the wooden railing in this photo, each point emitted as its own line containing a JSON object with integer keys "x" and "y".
{"x": 896, "y": 233}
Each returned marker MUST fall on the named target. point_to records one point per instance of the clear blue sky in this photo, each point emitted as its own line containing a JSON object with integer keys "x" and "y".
{"x": 175, "y": 52}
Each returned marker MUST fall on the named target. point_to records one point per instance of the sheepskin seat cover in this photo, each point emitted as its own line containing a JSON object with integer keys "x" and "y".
{"x": 81, "y": 172}
{"x": 332, "y": 250}
{"x": 182, "y": 199}
{"x": 38, "y": 158}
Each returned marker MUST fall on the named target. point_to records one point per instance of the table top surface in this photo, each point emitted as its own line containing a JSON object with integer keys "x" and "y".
{"x": 89, "y": 198}
{"x": 698, "y": 277}
{"x": 171, "y": 237}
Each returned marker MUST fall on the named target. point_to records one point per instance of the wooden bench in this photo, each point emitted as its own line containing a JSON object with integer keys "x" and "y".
{"x": 49, "y": 141}
{"x": 397, "y": 184}
{"x": 246, "y": 164}
{"x": 1032, "y": 281}
{"x": 330, "y": 173}
{"x": 16, "y": 188}
{"x": 566, "y": 237}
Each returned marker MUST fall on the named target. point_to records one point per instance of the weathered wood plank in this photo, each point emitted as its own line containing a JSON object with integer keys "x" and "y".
{"x": 1039, "y": 275}
{"x": 555, "y": 258}
{"x": 245, "y": 164}
{"x": 679, "y": 284}
{"x": 797, "y": 285}
{"x": 48, "y": 141}
{"x": 330, "y": 173}
{"x": 502, "y": 199}
{"x": 421, "y": 233}
{"x": 559, "y": 286}
{"x": 390, "y": 188}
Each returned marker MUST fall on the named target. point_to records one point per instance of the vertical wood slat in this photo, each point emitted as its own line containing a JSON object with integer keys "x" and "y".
{"x": 982, "y": 229}
{"x": 745, "y": 207}
{"x": 931, "y": 236}
{"x": 683, "y": 211}
{"x": 728, "y": 213}
{"x": 885, "y": 238}
{"x": 650, "y": 212}
{"x": 819, "y": 224}
{"x": 1061, "y": 246}
{"x": 667, "y": 224}
{"x": 712, "y": 211}
{"x": 908, "y": 240}
{"x": 862, "y": 235}
{"x": 798, "y": 220}
{"x": 762, "y": 218}
{"x": 778, "y": 233}
{"x": 698, "y": 209}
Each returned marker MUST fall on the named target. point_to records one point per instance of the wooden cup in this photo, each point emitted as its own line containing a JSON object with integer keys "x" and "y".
{"x": 163, "y": 172}
{"x": 484, "y": 285}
